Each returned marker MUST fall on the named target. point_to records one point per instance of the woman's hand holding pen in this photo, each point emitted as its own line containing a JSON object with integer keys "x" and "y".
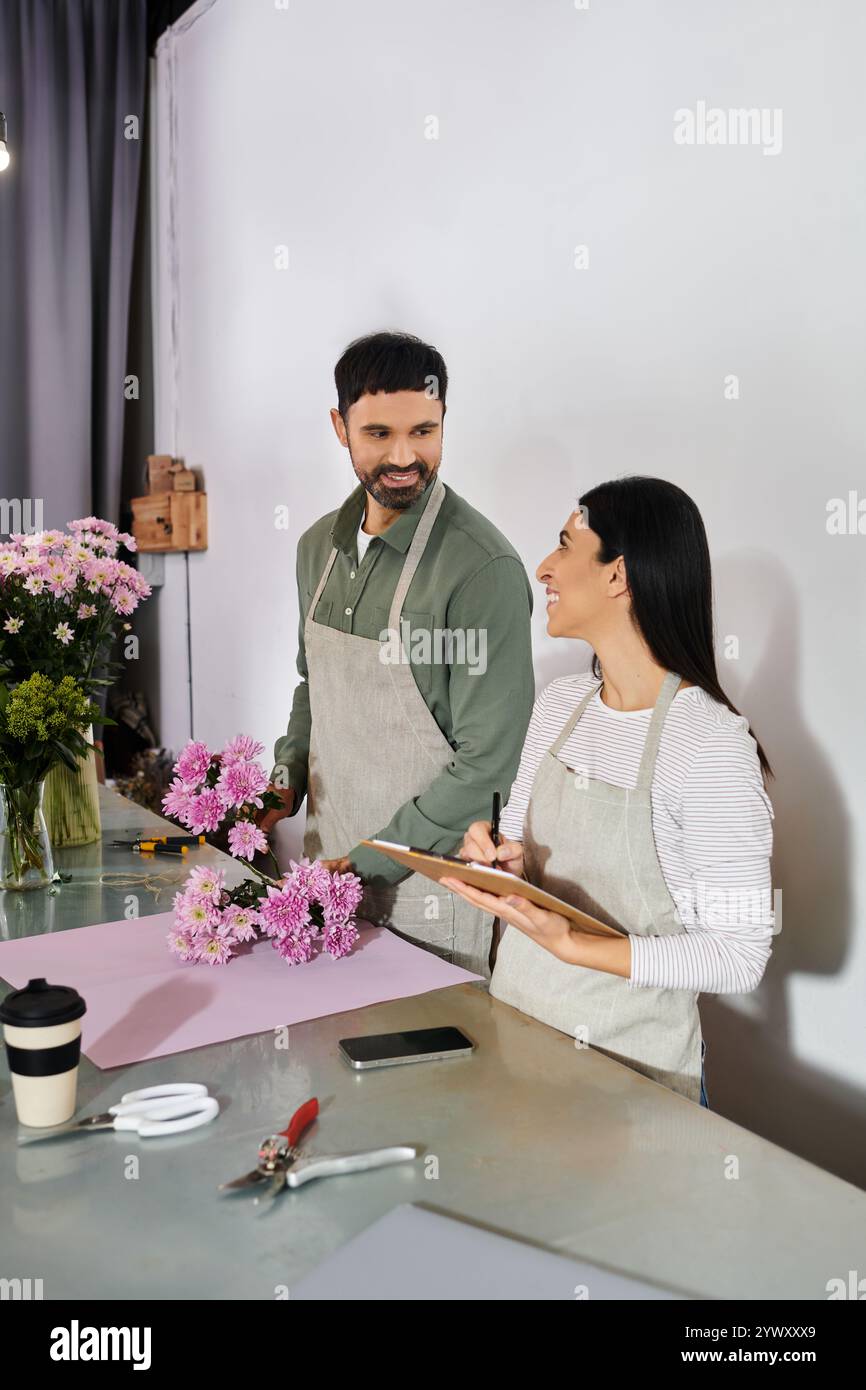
{"x": 478, "y": 845}
{"x": 550, "y": 930}
{"x": 483, "y": 844}
{"x": 555, "y": 933}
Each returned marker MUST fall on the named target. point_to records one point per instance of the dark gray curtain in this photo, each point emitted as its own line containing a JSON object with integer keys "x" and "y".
{"x": 71, "y": 72}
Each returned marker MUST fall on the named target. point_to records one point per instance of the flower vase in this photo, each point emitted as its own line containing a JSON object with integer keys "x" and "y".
{"x": 72, "y": 802}
{"x": 25, "y": 849}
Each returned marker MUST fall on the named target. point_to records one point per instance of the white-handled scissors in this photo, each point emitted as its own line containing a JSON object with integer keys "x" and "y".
{"x": 151, "y": 1112}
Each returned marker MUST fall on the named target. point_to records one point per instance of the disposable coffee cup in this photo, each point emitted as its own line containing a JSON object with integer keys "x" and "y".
{"x": 42, "y": 1032}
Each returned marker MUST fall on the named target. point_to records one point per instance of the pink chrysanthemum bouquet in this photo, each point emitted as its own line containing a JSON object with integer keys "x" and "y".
{"x": 304, "y": 912}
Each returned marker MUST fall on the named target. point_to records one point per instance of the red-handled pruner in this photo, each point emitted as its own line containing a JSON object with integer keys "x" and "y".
{"x": 280, "y": 1163}
{"x": 276, "y": 1153}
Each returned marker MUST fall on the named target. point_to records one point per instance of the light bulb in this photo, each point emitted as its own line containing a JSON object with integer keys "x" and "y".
{"x": 4, "y": 156}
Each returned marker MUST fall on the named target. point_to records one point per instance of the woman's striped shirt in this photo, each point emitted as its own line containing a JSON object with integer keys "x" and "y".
{"x": 711, "y": 820}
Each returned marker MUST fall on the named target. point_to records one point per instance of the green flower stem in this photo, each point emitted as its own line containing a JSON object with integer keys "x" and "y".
{"x": 274, "y": 882}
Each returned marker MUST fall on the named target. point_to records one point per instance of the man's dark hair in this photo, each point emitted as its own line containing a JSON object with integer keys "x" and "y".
{"x": 389, "y": 362}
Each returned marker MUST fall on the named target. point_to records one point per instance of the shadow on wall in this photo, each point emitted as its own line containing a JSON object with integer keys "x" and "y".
{"x": 753, "y": 1074}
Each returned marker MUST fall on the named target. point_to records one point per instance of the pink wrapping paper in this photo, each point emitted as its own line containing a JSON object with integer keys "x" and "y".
{"x": 143, "y": 1002}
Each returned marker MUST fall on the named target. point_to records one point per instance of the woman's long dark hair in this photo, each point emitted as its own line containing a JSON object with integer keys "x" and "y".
{"x": 658, "y": 530}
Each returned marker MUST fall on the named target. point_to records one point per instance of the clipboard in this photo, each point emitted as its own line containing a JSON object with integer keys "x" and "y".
{"x": 498, "y": 881}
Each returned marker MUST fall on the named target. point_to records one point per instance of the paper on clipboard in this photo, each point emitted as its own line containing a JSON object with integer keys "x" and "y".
{"x": 498, "y": 881}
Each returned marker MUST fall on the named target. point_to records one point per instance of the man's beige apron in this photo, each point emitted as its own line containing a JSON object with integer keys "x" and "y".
{"x": 592, "y": 844}
{"x": 373, "y": 746}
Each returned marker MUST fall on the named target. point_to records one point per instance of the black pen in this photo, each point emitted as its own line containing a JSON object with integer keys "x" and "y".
{"x": 494, "y": 820}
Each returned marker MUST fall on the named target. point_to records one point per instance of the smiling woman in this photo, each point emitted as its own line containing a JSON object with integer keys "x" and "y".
{"x": 639, "y": 799}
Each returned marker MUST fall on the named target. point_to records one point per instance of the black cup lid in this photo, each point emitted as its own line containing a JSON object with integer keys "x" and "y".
{"x": 41, "y": 1005}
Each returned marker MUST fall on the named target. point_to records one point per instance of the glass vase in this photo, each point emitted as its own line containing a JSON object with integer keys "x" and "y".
{"x": 71, "y": 805}
{"x": 25, "y": 849}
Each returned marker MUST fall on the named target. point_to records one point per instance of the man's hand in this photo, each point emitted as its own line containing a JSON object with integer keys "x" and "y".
{"x": 337, "y": 866}
{"x": 266, "y": 819}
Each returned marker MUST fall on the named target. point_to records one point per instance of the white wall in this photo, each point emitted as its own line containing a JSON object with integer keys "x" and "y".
{"x": 307, "y": 127}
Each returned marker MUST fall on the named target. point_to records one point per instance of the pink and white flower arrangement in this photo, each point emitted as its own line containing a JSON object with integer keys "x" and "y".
{"x": 61, "y": 596}
{"x": 307, "y": 911}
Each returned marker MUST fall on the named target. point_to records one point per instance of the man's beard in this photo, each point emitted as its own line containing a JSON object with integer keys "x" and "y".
{"x": 395, "y": 498}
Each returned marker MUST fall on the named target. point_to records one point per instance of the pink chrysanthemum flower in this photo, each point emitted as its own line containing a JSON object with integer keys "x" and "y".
{"x": 130, "y": 578}
{"x": 283, "y": 911}
{"x": 296, "y": 947}
{"x": 182, "y": 944}
{"x": 240, "y": 784}
{"x": 96, "y": 574}
{"x": 243, "y": 922}
{"x": 246, "y": 840}
{"x": 216, "y": 947}
{"x": 198, "y": 916}
{"x": 241, "y": 749}
{"x": 206, "y": 883}
{"x": 61, "y": 581}
{"x": 123, "y": 600}
{"x": 193, "y": 763}
{"x": 206, "y": 811}
{"x": 340, "y": 938}
{"x": 311, "y": 879}
{"x": 179, "y": 902}
{"x": 342, "y": 897}
{"x": 176, "y": 802}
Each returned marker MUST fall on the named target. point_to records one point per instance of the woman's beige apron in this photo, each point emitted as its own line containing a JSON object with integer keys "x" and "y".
{"x": 373, "y": 746}
{"x": 592, "y": 844}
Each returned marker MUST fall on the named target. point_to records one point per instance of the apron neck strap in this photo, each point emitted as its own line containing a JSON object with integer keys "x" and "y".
{"x": 416, "y": 550}
{"x": 654, "y": 732}
{"x": 321, "y": 584}
{"x": 572, "y": 720}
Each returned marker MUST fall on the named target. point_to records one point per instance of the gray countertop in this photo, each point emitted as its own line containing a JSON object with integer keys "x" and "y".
{"x": 529, "y": 1137}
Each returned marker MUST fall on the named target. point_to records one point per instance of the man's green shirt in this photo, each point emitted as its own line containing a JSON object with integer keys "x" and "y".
{"x": 469, "y": 580}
